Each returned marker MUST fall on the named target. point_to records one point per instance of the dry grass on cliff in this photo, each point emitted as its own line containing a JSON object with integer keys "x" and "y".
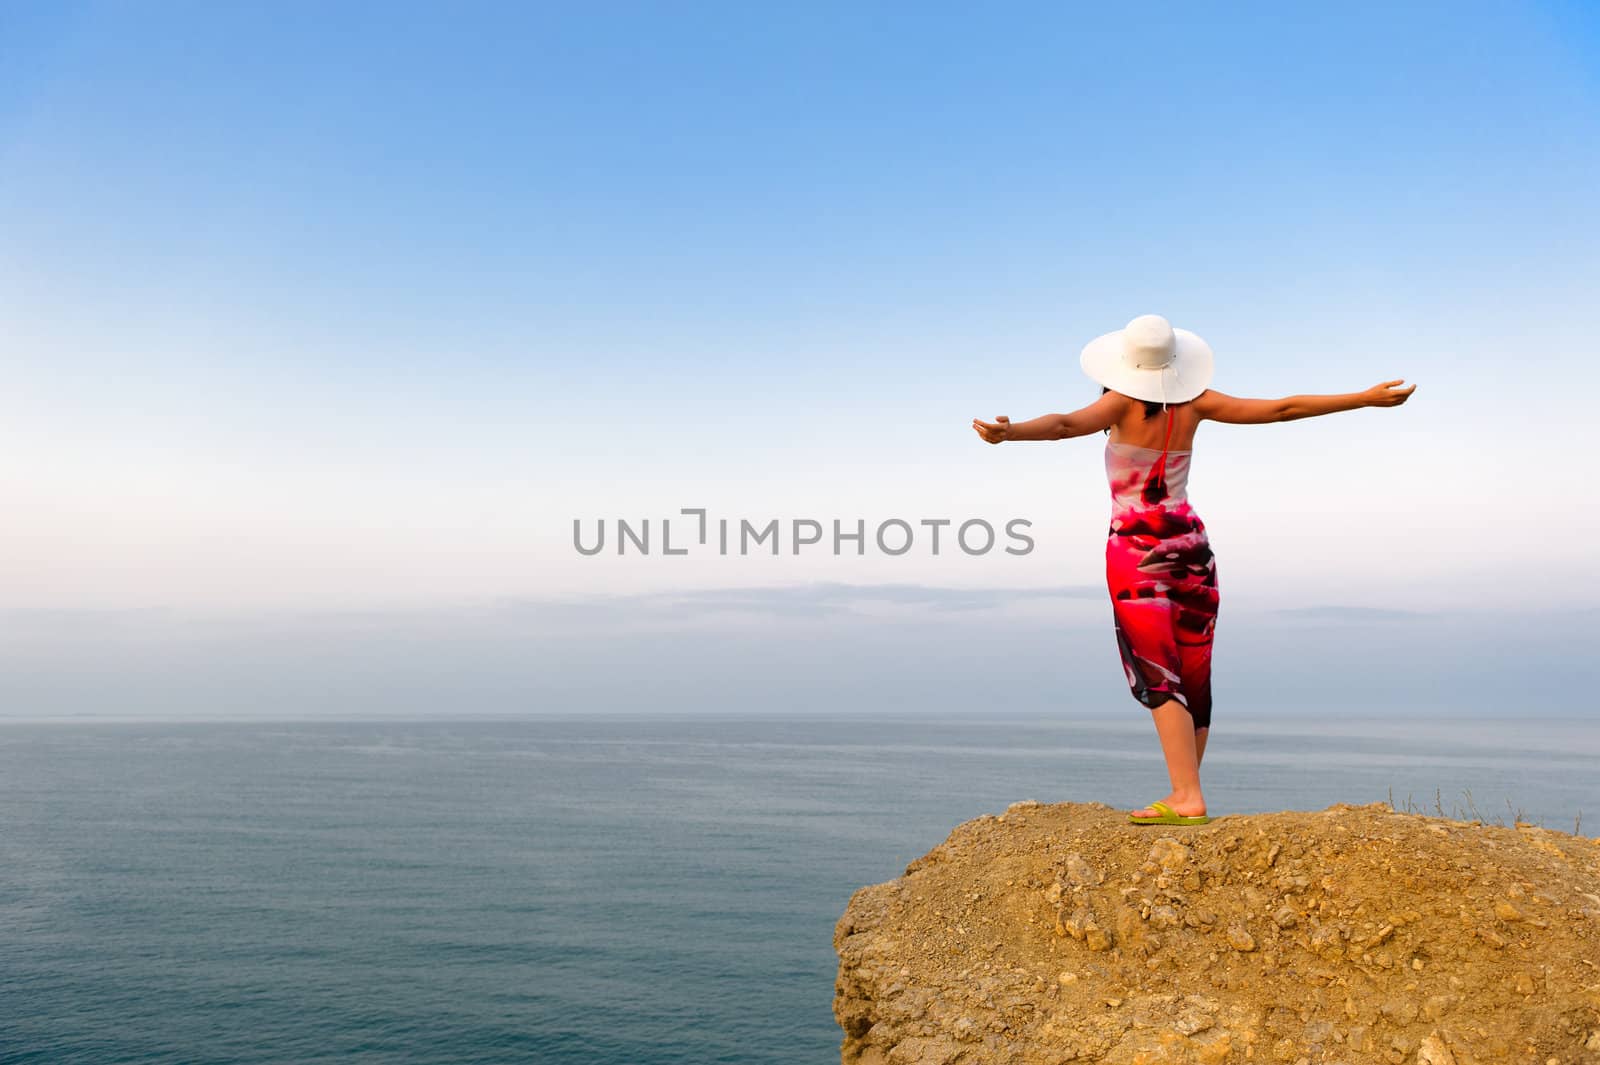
{"x": 1355, "y": 934}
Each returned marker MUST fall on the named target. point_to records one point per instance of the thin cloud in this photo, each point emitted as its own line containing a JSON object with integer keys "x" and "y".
{"x": 806, "y": 600}
{"x": 1349, "y": 613}
{"x": 826, "y": 597}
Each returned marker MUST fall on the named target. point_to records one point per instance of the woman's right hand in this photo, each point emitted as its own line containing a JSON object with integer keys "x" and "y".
{"x": 1385, "y": 394}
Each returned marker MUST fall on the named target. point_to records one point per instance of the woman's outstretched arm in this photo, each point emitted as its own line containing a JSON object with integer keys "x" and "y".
{"x": 1100, "y": 414}
{"x": 1221, "y": 407}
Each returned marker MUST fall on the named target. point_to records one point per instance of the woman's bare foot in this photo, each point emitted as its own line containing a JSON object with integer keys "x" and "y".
{"x": 1183, "y": 805}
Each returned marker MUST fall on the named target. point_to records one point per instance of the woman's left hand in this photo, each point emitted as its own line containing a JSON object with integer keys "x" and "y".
{"x": 994, "y": 431}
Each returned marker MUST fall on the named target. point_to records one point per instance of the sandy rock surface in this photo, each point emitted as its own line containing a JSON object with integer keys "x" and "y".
{"x": 1061, "y": 933}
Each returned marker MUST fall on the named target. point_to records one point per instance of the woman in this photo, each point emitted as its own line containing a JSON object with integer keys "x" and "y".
{"x": 1159, "y": 567}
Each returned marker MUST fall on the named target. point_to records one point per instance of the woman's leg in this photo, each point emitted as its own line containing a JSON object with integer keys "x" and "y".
{"x": 1200, "y": 735}
{"x": 1182, "y": 744}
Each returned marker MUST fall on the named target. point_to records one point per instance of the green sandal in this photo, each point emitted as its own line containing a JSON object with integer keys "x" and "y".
{"x": 1169, "y": 816}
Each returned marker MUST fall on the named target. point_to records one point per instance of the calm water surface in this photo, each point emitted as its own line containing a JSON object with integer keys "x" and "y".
{"x": 637, "y": 892}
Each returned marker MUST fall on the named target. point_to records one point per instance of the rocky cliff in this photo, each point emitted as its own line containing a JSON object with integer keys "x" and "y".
{"x": 1061, "y": 933}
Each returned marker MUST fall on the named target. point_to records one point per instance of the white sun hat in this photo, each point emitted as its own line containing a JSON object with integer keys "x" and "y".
{"x": 1148, "y": 359}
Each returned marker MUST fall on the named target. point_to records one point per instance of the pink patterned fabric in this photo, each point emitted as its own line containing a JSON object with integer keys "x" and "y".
{"x": 1162, "y": 578}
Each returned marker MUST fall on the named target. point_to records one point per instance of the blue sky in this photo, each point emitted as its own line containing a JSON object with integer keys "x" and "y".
{"x": 357, "y": 309}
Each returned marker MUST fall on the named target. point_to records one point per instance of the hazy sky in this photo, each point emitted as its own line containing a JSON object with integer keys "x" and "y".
{"x": 313, "y": 311}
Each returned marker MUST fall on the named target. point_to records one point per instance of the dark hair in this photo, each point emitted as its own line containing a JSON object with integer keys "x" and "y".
{"x": 1151, "y": 407}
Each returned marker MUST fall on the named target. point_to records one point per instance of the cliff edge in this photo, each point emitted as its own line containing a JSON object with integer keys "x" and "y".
{"x": 1061, "y": 933}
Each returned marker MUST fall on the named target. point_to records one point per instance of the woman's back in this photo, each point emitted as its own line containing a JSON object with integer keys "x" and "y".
{"x": 1138, "y": 428}
{"x": 1154, "y": 473}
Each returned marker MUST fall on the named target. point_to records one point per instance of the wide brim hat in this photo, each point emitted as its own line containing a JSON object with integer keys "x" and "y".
{"x": 1148, "y": 359}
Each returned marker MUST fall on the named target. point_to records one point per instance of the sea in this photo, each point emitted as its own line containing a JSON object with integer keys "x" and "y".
{"x": 569, "y": 891}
